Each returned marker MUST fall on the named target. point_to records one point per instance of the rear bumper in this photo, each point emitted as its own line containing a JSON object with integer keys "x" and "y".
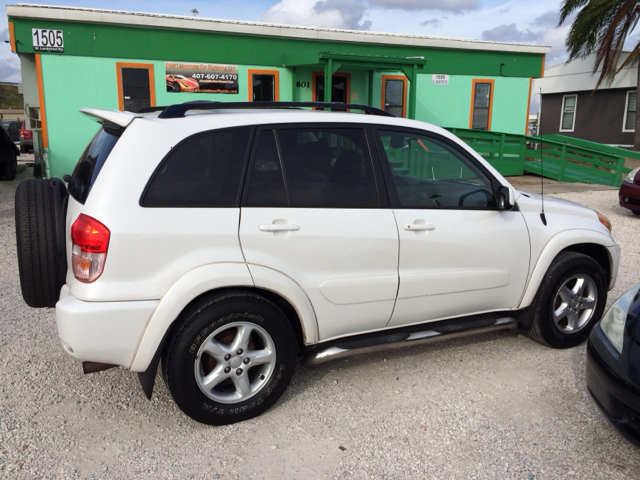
{"x": 105, "y": 332}
{"x": 619, "y": 401}
{"x": 630, "y": 196}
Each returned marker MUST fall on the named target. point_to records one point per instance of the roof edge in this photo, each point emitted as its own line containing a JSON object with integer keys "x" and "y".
{"x": 156, "y": 20}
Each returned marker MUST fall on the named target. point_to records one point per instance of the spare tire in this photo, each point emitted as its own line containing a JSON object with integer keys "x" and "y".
{"x": 41, "y": 206}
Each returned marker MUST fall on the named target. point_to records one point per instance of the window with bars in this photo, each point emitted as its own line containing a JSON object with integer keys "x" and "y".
{"x": 568, "y": 118}
{"x": 630, "y": 112}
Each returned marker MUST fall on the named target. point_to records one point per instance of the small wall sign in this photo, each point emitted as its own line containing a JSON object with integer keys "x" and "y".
{"x": 45, "y": 40}
{"x": 439, "y": 79}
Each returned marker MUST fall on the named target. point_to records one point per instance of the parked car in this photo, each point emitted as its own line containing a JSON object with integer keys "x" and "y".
{"x": 180, "y": 83}
{"x": 630, "y": 192}
{"x": 26, "y": 139}
{"x": 8, "y": 156}
{"x": 12, "y": 127}
{"x": 613, "y": 364}
{"x": 232, "y": 239}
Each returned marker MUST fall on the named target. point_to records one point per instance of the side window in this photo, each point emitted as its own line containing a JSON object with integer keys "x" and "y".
{"x": 328, "y": 167}
{"x": 429, "y": 173}
{"x": 266, "y": 186}
{"x": 203, "y": 171}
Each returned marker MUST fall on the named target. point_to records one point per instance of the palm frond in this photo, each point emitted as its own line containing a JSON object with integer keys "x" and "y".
{"x": 601, "y": 26}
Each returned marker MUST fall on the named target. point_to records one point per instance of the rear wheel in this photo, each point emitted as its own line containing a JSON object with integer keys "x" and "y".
{"x": 571, "y": 300}
{"x": 636, "y": 212}
{"x": 231, "y": 357}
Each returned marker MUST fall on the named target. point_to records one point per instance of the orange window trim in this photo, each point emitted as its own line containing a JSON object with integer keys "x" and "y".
{"x": 544, "y": 56}
{"x": 404, "y": 91}
{"x": 526, "y": 124}
{"x": 12, "y": 37}
{"x": 314, "y": 75}
{"x": 473, "y": 94}
{"x": 275, "y": 73}
{"x": 152, "y": 87}
{"x": 43, "y": 116}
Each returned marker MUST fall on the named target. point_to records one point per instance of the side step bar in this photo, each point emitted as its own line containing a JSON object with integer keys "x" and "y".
{"x": 344, "y": 348}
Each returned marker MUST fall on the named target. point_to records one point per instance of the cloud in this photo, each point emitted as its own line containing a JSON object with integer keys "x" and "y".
{"x": 509, "y": 33}
{"x": 10, "y": 70}
{"x": 547, "y": 19}
{"x": 4, "y": 35}
{"x": 347, "y": 14}
{"x": 416, "y": 5}
{"x": 431, "y": 23}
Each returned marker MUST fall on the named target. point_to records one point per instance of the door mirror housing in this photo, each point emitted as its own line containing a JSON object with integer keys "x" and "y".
{"x": 506, "y": 198}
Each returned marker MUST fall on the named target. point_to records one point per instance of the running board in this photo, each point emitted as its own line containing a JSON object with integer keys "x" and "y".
{"x": 344, "y": 348}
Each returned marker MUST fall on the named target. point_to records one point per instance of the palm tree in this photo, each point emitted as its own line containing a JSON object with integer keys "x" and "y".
{"x": 602, "y": 26}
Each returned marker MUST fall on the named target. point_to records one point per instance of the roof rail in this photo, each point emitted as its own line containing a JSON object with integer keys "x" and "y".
{"x": 179, "y": 110}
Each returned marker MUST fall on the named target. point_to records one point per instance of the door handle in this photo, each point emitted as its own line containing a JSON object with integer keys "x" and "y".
{"x": 279, "y": 227}
{"x": 412, "y": 227}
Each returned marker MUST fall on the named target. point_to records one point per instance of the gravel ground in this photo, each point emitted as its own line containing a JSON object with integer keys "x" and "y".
{"x": 491, "y": 406}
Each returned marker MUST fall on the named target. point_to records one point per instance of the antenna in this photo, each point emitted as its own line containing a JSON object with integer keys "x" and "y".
{"x": 542, "y": 215}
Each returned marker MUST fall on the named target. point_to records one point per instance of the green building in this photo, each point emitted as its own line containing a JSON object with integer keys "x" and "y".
{"x": 77, "y": 57}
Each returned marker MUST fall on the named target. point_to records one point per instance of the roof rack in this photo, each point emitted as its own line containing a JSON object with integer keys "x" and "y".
{"x": 179, "y": 110}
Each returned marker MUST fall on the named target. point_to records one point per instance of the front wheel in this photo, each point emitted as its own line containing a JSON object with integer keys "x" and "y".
{"x": 231, "y": 358}
{"x": 571, "y": 300}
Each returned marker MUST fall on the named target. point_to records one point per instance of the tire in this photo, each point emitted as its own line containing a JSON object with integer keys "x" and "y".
{"x": 207, "y": 339}
{"x": 23, "y": 149}
{"x": 636, "y": 212}
{"x": 40, "y": 207}
{"x": 564, "y": 320}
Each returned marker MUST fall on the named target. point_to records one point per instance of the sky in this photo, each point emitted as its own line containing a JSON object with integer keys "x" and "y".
{"x": 517, "y": 21}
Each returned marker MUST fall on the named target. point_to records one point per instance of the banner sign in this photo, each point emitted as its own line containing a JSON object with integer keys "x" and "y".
{"x": 439, "y": 79}
{"x": 201, "y": 77}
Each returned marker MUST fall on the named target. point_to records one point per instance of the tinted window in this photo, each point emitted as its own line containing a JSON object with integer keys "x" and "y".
{"x": 429, "y": 173}
{"x": 203, "y": 171}
{"x": 266, "y": 186}
{"x": 91, "y": 162}
{"x": 327, "y": 167}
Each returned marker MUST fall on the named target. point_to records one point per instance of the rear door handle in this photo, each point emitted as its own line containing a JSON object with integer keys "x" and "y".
{"x": 419, "y": 226}
{"x": 279, "y": 227}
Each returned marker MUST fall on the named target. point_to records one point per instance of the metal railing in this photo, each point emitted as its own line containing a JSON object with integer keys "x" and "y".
{"x": 561, "y": 158}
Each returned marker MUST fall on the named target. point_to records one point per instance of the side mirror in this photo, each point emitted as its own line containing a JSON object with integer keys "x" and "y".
{"x": 506, "y": 198}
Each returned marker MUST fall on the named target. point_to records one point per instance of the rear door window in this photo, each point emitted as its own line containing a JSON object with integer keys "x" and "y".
{"x": 320, "y": 167}
{"x": 203, "y": 171}
{"x": 91, "y": 162}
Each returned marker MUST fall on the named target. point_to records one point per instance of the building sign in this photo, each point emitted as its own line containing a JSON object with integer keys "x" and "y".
{"x": 201, "y": 77}
{"x": 439, "y": 79}
{"x": 45, "y": 40}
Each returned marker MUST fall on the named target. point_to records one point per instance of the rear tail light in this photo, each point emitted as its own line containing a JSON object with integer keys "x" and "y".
{"x": 90, "y": 240}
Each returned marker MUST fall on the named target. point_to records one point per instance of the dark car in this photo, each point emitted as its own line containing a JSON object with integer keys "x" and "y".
{"x": 12, "y": 127}
{"x": 613, "y": 364}
{"x": 630, "y": 191}
{"x": 26, "y": 139}
{"x": 8, "y": 156}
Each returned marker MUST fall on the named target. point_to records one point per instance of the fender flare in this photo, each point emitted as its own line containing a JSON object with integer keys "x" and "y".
{"x": 554, "y": 246}
{"x": 213, "y": 277}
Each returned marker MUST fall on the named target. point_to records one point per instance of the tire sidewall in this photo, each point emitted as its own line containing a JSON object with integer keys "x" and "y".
{"x": 555, "y": 278}
{"x": 181, "y": 355}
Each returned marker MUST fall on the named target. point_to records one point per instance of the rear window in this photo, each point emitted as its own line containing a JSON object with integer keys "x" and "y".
{"x": 91, "y": 162}
{"x": 203, "y": 171}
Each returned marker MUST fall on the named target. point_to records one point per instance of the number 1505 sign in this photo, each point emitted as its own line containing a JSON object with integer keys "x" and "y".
{"x": 45, "y": 40}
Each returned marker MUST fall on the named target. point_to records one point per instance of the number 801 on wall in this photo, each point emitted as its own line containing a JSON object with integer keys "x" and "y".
{"x": 45, "y": 40}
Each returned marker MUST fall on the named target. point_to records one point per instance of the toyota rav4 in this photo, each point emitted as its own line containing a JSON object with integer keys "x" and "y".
{"x": 231, "y": 241}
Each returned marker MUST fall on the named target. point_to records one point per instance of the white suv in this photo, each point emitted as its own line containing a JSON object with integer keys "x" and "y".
{"x": 230, "y": 239}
